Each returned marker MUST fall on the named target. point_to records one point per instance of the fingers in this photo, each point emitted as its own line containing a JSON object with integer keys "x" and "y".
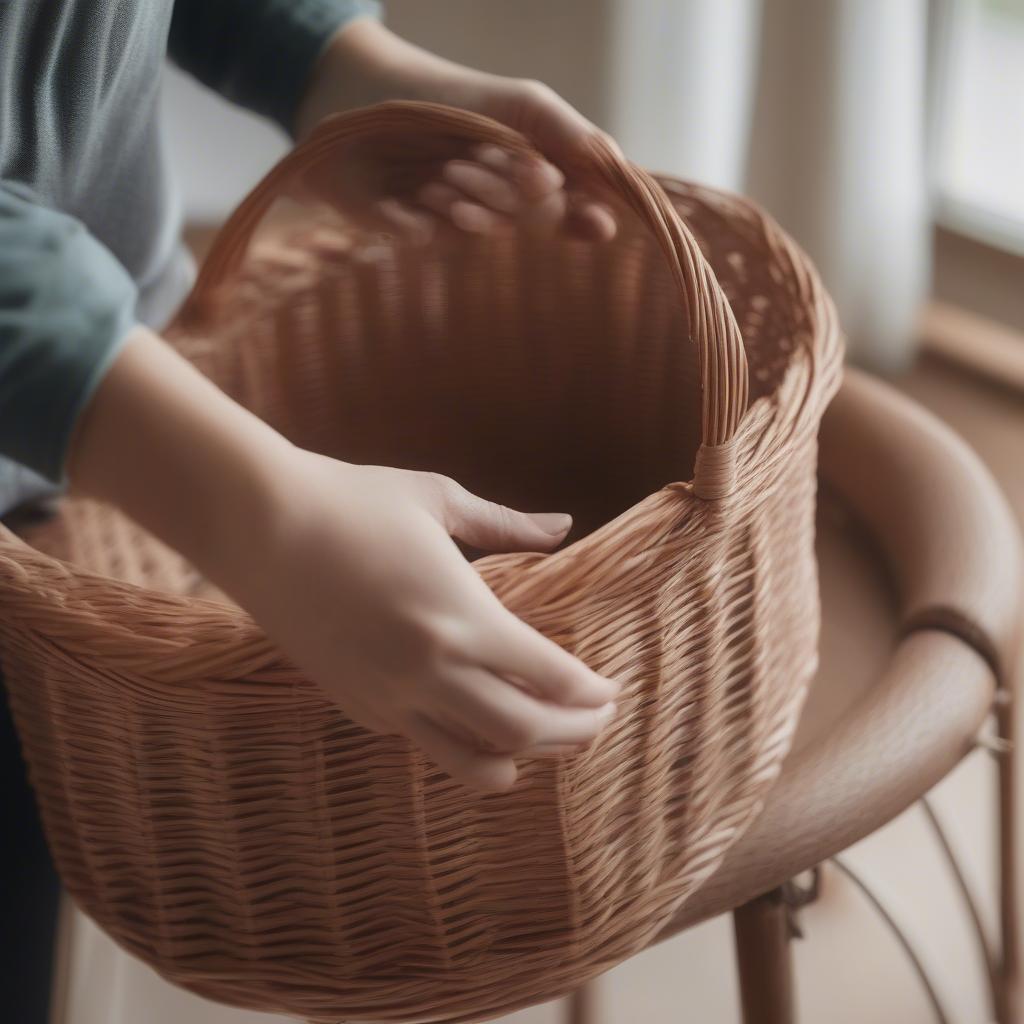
{"x": 589, "y": 220}
{"x": 534, "y": 177}
{"x": 483, "y": 185}
{"x": 562, "y": 133}
{"x": 508, "y": 646}
{"x": 488, "y": 772}
{"x": 504, "y": 719}
{"x": 548, "y": 214}
{"x": 484, "y": 721}
{"x": 516, "y": 651}
{"x": 481, "y": 193}
{"x": 477, "y": 194}
{"x": 453, "y": 205}
{"x": 491, "y": 527}
{"x": 488, "y": 526}
{"x": 414, "y": 225}
{"x": 575, "y": 214}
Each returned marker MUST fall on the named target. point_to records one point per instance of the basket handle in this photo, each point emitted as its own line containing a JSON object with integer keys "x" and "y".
{"x": 722, "y": 358}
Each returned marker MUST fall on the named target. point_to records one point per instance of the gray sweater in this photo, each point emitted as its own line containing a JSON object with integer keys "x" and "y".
{"x": 89, "y": 223}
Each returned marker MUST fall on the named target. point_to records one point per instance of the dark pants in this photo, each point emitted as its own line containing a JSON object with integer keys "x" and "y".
{"x": 30, "y": 890}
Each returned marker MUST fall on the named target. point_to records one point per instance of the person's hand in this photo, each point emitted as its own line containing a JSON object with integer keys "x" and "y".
{"x": 362, "y": 584}
{"x": 352, "y": 570}
{"x": 477, "y": 189}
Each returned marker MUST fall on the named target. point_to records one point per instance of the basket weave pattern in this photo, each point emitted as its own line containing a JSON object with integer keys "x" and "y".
{"x": 228, "y": 825}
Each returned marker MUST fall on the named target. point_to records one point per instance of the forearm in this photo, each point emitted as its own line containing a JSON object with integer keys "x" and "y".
{"x": 366, "y": 63}
{"x": 175, "y": 453}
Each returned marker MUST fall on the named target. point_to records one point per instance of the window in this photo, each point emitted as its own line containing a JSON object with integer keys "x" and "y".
{"x": 980, "y": 108}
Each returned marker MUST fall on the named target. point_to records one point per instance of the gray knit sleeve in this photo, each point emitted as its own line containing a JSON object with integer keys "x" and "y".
{"x": 258, "y": 53}
{"x": 66, "y": 304}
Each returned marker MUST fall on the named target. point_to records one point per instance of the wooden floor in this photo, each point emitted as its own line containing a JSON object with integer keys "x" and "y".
{"x": 849, "y": 969}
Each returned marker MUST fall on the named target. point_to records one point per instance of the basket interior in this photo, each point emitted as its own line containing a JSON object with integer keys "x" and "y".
{"x": 546, "y": 374}
{"x": 542, "y": 373}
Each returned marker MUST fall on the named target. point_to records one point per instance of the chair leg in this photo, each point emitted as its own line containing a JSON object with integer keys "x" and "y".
{"x": 763, "y": 958}
{"x": 582, "y": 1004}
{"x": 1008, "y": 996}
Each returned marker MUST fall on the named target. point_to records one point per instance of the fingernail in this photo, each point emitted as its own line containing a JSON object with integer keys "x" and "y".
{"x": 544, "y": 174}
{"x": 472, "y": 217}
{"x": 553, "y": 523}
{"x": 494, "y": 156}
{"x": 608, "y": 711}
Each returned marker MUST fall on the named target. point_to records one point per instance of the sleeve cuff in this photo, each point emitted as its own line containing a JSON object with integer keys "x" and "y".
{"x": 66, "y": 307}
{"x": 276, "y": 48}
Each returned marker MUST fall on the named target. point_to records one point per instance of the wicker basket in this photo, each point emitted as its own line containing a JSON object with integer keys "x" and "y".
{"x": 225, "y": 823}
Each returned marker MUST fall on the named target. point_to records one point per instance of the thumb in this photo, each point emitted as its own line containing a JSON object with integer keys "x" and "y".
{"x": 489, "y": 526}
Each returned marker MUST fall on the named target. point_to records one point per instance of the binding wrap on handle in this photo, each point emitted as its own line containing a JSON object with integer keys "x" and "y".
{"x": 722, "y": 359}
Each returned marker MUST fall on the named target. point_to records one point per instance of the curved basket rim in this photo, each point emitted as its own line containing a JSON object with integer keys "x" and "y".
{"x": 162, "y": 606}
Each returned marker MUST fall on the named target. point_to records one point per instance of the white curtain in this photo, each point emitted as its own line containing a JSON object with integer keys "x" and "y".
{"x": 814, "y": 107}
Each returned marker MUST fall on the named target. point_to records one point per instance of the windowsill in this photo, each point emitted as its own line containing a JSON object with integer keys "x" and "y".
{"x": 998, "y": 230}
{"x": 979, "y": 277}
{"x": 982, "y": 347}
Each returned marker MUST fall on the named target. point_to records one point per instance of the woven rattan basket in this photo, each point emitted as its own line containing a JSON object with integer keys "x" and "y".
{"x": 226, "y": 824}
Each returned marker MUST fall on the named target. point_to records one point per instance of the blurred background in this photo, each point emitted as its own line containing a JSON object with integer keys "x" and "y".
{"x": 888, "y": 137}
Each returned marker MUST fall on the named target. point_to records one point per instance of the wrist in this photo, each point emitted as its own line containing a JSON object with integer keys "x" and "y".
{"x": 271, "y": 510}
